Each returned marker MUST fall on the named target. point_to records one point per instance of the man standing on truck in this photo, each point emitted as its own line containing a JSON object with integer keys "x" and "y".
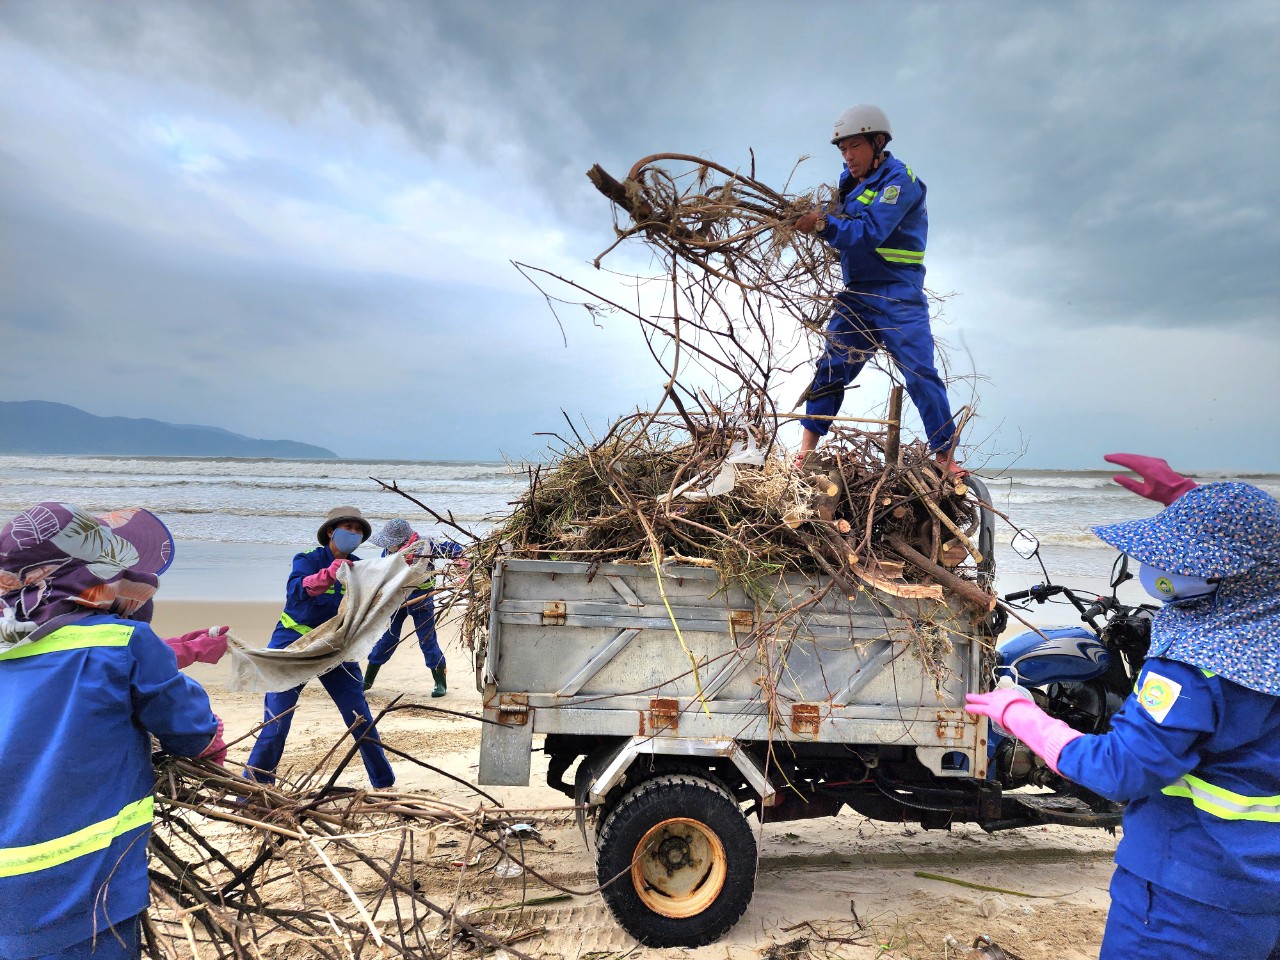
{"x": 879, "y": 229}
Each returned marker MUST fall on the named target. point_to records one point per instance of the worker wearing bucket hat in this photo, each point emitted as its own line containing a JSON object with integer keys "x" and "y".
{"x": 82, "y": 691}
{"x": 1196, "y": 749}
{"x": 312, "y": 597}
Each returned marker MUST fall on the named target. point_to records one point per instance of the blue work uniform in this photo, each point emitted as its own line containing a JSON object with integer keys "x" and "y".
{"x": 880, "y": 235}
{"x": 1198, "y": 870}
{"x": 420, "y": 605}
{"x": 344, "y": 683}
{"x": 78, "y": 708}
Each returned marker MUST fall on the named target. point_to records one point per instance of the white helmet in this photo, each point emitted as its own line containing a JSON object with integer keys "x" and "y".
{"x": 862, "y": 118}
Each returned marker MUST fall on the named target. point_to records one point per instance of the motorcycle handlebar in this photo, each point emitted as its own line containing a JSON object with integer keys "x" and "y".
{"x": 1040, "y": 592}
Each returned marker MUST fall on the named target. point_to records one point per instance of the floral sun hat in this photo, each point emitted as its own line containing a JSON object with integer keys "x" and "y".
{"x": 1228, "y": 531}
{"x": 1214, "y": 530}
{"x": 393, "y": 535}
{"x": 56, "y": 559}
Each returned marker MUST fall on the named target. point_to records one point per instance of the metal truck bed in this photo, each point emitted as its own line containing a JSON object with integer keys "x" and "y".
{"x": 609, "y": 650}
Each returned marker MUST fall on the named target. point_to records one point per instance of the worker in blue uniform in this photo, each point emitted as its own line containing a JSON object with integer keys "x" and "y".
{"x": 1196, "y": 749}
{"x": 312, "y": 597}
{"x": 879, "y": 228}
{"x": 397, "y": 535}
{"x": 82, "y": 692}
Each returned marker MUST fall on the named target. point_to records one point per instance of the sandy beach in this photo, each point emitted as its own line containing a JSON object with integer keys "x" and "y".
{"x": 849, "y": 886}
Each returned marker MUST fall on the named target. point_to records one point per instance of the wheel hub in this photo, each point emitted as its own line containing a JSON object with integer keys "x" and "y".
{"x": 675, "y": 853}
{"x": 679, "y": 867}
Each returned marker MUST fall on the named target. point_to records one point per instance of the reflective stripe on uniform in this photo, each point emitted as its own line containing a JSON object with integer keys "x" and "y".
{"x": 73, "y": 638}
{"x": 15, "y": 861}
{"x": 292, "y": 624}
{"x": 1223, "y": 803}
{"x": 867, "y": 195}
{"x": 901, "y": 256}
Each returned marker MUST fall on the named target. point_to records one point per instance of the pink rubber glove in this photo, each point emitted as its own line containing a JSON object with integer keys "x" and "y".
{"x": 1160, "y": 482}
{"x": 1013, "y": 711}
{"x": 202, "y": 646}
{"x": 217, "y": 748}
{"x": 318, "y": 583}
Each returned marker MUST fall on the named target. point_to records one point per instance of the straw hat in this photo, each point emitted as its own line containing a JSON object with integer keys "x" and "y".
{"x": 336, "y": 516}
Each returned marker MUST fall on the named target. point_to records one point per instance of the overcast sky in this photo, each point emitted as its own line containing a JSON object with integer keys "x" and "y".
{"x": 295, "y": 220}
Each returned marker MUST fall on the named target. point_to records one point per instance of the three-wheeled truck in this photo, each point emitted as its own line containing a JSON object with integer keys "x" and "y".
{"x": 685, "y": 706}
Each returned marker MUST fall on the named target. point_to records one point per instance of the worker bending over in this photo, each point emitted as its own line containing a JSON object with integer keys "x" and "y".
{"x": 397, "y": 535}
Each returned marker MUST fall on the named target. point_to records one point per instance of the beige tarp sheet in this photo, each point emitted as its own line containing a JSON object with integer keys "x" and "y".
{"x": 373, "y": 590}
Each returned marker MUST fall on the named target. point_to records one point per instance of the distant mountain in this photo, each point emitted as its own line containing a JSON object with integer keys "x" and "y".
{"x": 37, "y": 426}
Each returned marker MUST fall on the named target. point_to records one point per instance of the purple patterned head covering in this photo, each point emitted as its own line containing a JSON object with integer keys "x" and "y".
{"x": 393, "y": 535}
{"x": 56, "y": 559}
{"x": 1229, "y": 531}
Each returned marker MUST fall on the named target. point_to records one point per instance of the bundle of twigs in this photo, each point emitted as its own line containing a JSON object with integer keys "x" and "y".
{"x": 725, "y": 224}
{"x": 306, "y": 868}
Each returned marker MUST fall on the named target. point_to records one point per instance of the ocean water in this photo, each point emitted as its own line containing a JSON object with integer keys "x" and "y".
{"x": 237, "y": 522}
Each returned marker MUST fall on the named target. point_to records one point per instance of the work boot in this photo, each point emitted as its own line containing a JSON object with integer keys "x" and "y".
{"x": 441, "y": 689}
{"x": 370, "y": 672}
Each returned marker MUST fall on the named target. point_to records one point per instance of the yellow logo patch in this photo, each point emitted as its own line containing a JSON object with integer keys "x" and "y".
{"x": 1158, "y": 695}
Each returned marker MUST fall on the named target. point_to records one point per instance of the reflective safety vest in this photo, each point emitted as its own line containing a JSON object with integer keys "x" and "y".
{"x": 303, "y": 612}
{"x": 881, "y": 229}
{"x": 96, "y": 836}
{"x": 1224, "y": 803}
{"x": 1198, "y": 758}
{"x": 78, "y": 708}
{"x": 301, "y": 628}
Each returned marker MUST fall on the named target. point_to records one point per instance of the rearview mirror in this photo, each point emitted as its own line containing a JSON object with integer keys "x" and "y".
{"x": 1120, "y": 571}
{"x": 1025, "y": 545}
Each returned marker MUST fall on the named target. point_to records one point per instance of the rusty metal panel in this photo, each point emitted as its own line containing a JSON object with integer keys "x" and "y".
{"x": 664, "y": 715}
{"x": 806, "y": 719}
{"x": 612, "y": 650}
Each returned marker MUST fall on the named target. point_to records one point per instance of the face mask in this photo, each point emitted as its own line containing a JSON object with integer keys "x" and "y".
{"x": 1173, "y": 588}
{"x": 346, "y": 541}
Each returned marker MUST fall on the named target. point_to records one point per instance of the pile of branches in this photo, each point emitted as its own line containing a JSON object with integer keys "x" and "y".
{"x": 638, "y": 496}
{"x": 309, "y": 869}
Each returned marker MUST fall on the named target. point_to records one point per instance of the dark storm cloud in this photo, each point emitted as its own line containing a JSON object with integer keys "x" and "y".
{"x": 1098, "y": 165}
{"x": 1126, "y": 146}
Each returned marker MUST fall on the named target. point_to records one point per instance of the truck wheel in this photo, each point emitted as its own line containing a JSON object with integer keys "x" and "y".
{"x": 677, "y": 861}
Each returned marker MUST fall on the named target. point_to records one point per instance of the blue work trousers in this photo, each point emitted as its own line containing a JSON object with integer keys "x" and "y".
{"x": 1148, "y": 922}
{"x": 344, "y": 685}
{"x": 859, "y": 326}
{"x": 123, "y": 941}
{"x": 423, "y": 613}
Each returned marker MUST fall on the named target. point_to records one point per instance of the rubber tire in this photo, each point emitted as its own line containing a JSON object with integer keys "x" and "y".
{"x": 666, "y": 797}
